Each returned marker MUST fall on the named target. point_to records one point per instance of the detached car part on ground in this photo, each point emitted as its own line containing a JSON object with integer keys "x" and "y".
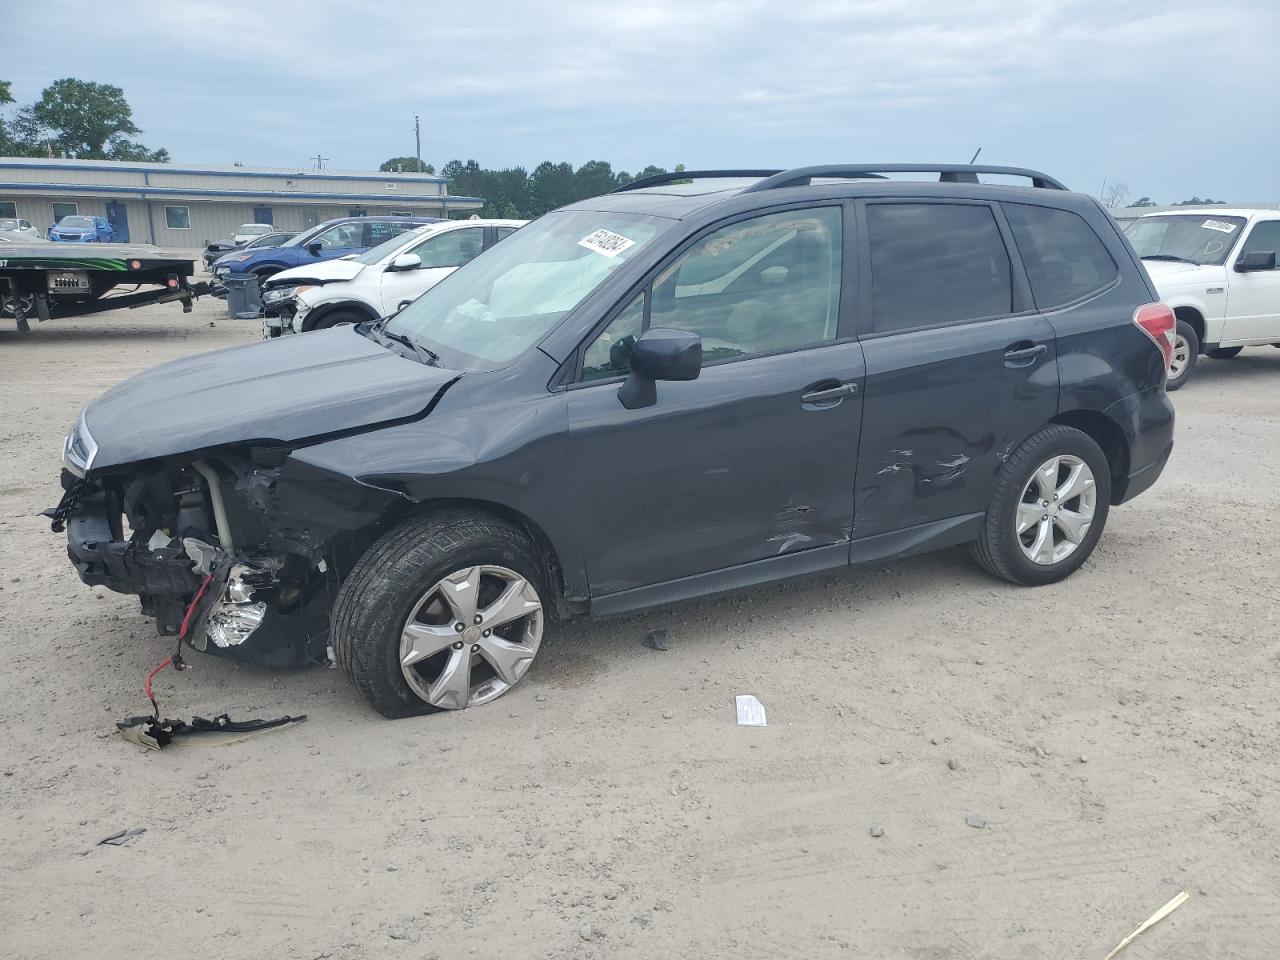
{"x": 697, "y": 383}
{"x": 1217, "y": 268}
{"x": 378, "y": 282}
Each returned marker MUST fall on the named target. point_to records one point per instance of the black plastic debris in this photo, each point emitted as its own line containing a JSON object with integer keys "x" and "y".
{"x": 657, "y": 640}
{"x": 123, "y": 837}
{"x": 155, "y": 734}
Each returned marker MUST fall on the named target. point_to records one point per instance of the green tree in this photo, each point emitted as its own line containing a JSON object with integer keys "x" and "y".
{"x": 1197, "y": 202}
{"x": 594, "y": 178}
{"x": 551, "y": 185}
{"x": 1143, "y": 202}
{"x": 82, "y": 120}
{"x": 405, "y": 165}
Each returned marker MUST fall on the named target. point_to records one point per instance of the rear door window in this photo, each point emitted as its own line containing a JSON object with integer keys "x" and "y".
{"x": 936, "y": 263}
{"x": 1064, "y": 259}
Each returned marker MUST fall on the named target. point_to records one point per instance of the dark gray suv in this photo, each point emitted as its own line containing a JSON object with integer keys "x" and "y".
{"x": 699, "y": 382}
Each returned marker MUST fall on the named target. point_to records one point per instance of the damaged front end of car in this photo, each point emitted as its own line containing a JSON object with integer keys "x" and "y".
{"x": 235, "y": 549}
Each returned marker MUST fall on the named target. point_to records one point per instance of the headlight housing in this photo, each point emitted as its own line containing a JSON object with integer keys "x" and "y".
{"x": 280, "y": 294}
{"x": 79, "y": 449}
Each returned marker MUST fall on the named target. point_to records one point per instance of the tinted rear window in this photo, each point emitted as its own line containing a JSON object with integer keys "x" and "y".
{"x": 936, "y": 263}
{"x": 1064, "y": 258}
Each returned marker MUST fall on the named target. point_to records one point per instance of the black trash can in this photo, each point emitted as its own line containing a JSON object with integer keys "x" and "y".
{"x": 243, "y": 299}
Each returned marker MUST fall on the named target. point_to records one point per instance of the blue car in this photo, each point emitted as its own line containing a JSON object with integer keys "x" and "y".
{"x": 76, "y": 229}
{"x": 325, "y": 241}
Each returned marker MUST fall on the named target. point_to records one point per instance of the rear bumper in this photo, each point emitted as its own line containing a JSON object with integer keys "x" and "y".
{"x": 1147, "y": 420}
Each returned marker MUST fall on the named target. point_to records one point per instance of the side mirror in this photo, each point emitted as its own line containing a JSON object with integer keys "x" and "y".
{"x": 406, "y": 261}
{"x": 314, "y": 248}
{"x": 1258, "y": 260}
{"x": 660, "y": 354}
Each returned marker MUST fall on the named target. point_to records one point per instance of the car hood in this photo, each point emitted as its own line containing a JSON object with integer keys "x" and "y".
{"x": 285, "y": 390}
{"x": 326, "y": 271}
{"x": 1174, "y": 273}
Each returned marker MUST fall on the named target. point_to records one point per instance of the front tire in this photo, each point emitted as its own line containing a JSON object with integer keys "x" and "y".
{"x": 444, "y": 612}
{"x": 338, "y": 318}
{"x": 1049, "y": 508}
{"x": 1186, "y": 350}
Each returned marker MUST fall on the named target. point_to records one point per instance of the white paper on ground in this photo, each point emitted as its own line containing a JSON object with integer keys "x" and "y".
{"x": 750, "y": 711}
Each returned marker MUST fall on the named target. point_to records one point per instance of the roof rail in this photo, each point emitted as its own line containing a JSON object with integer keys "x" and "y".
{"x": 660, "y": 178}
{"x": 947, "y": 173}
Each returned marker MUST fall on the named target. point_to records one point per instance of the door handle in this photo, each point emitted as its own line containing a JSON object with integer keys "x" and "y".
{"x": 1025, "y": 350}
{"x": 829, "y": 395}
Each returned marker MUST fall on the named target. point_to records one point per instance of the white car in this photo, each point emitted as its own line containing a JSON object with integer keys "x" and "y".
{"x": 378, "y": 282}
{"x": 15, "y": 229}
{"x": 251, "y": 231}
{"x": 1217, "y": 268}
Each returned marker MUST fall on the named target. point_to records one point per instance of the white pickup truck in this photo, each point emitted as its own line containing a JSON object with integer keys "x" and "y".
{"x": 1216, "y": 267}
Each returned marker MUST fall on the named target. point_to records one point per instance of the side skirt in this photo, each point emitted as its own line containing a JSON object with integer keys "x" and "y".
{"x": 897, "y": 543}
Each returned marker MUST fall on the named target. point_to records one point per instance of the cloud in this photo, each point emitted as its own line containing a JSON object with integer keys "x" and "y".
{"x": 1136, "y": 90}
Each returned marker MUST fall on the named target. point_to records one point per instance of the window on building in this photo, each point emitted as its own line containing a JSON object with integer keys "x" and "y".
{"x": 1264, "y": 238}
{"x": 64, "y": 209}
{"x": 1064, "y": 258}
{"x": 8, "y": 209}
{"x": 936, "y": 263}
{"x": 177, "y": 218}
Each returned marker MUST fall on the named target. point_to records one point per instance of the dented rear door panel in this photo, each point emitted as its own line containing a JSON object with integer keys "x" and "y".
{"x": 943, "y": 411}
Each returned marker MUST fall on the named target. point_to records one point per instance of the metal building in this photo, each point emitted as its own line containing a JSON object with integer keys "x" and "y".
{"x": 181, "y": 205}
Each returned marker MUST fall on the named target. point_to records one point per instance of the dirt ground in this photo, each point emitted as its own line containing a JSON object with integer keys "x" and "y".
{"x": 1116, "y": 732}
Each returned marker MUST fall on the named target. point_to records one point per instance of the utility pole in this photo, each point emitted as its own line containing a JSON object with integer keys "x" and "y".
{"x": 417, "y": 139}
{"x": 319, "y": 161}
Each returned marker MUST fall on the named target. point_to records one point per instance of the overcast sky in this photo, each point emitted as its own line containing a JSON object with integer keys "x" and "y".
{"x": 1173, "y": 98}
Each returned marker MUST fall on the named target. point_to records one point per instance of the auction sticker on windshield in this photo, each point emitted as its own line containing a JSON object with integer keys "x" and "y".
{"x": 606, "y": 242}
{"x": 1219, "y": 225}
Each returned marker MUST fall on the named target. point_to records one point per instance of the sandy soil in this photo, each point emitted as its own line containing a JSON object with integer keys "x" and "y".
{"x": 1117, "y": 734}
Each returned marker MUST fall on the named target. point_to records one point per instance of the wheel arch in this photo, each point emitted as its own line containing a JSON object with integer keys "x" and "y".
{"x": 1193, "y": 315}
{"x": 1110, "y": 436}
{"x": 322, "y": 310}
{"x": 565, "y": 606}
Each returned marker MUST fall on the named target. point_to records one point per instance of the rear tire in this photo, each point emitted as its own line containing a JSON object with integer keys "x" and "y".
{"x": 385, "y": 592}
{"x": 1223, "y": 353}
{"x": 1003, "y": 549}
{"x": 1186, "y": 350}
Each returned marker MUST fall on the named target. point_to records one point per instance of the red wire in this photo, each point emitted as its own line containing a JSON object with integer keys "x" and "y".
{"x": 182, "y": 635}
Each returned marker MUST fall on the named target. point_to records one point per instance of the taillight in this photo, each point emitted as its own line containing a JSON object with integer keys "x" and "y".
{"x": 1158, "y": 322}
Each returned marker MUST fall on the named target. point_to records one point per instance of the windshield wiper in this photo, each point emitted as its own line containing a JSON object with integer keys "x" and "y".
{"x": 382, "y": 334}
{"x": 1169, "y": 256}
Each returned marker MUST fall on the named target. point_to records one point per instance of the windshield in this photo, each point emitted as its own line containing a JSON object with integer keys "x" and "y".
{"x": 8, "y": 224}
{"x": 1195, "y": 238}
{"x": 76, "y": 222}
{"x": 498, "y": 305}
{"x": 253, "y": 229}
{"x": 385, "y": 249}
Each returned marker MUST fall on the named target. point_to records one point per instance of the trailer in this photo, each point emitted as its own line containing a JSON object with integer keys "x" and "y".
{"x": 47, "y": 280}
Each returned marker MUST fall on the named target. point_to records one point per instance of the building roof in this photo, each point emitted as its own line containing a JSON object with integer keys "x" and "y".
{"x": 210, "y": 169}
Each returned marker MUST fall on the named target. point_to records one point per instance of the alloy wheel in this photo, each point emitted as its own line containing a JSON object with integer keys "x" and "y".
{"x": 1181, "y": 357}
{"x": 471, "y": 637}
{"x": 1056, "y": 509}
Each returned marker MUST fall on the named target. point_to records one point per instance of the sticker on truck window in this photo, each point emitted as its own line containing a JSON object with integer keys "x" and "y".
{"x": 1219, "y": 225}
{"x": 606, "y": 242}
